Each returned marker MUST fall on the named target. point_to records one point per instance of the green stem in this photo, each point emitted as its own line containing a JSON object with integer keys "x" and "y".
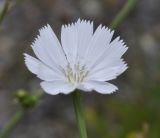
{"x": 4, "y": 10}
{"x": 26, "y": 102}
{"x": 79, "y": 113}
{"x": 123, "y": 13}
{"x": 9, "y": 127}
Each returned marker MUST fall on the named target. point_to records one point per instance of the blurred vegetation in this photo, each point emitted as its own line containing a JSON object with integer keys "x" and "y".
{"x": 133, "y": 112}
{"x": 136, "y": 119}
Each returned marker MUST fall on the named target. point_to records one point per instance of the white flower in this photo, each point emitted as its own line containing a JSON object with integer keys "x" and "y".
{"x": 83, "y": 60}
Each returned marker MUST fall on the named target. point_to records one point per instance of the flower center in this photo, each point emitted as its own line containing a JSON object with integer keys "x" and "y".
{"x": 76, "y": 73}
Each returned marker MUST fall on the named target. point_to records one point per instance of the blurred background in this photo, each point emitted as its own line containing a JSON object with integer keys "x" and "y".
{"x": 132, "y": 112}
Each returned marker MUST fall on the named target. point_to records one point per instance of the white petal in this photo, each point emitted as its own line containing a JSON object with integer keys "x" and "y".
{"x": 83, "y": 88}
{"x": 115, "y": 51}
{"x": 48, "y": 74}
{"x": 31, "y": 63}
{"x": 109, "y": 71}
{"x": 98, "y": 44}
{"x": 52, "y": 45}
{"x": 85, "y": 33}
{"x": 56, "y": 87}
{"x": 75, "y": 39}
{"x": 42, "y": 71}
{"x": 118, "y": 48}
{"x": 101, "y": 87}
{"x": 48, "y": 49}
{"x": 69, "y": 42}
{"x": 108, "y": 74}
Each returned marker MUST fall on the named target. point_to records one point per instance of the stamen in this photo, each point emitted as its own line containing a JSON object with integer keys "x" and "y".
{"x": 76, "y": 73}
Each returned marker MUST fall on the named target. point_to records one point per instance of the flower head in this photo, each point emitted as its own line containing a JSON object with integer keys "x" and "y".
{"x": 84, "y": 59}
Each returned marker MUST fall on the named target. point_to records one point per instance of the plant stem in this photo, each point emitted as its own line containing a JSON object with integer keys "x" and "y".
{"x": 123, "y": 13}
{"x": 9, "y": 127}
{"x": 4, "y": 10}
{"x": 79, "y": 113}
{"x": 29, "y": 101}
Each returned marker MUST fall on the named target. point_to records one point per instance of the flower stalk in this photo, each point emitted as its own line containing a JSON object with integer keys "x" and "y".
{"x": 123, "y": 13}
{"x": 76, "y": 95}
{"x": 26, "y": 102}
{"x": 4, "y": 10}
{"x": 11, "y": 125}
